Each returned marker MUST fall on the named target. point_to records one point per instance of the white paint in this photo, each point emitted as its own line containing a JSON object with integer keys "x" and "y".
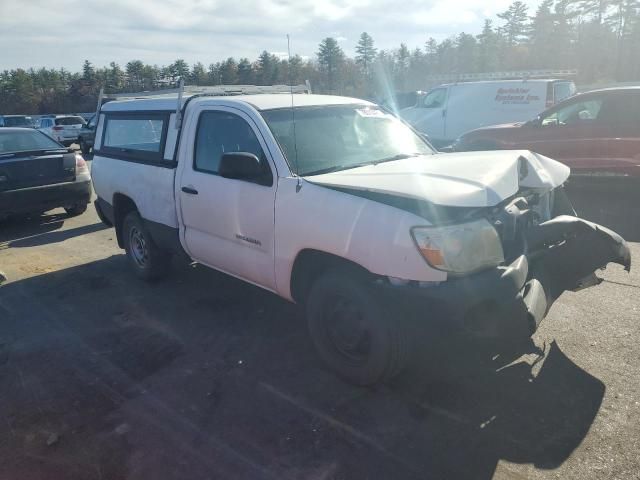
{"x": 229, "y": 224}
{"x": 285, "y": 220}
{"x": 470, "y": 105}
{"x": 258, "y": 102}
{"x": 469, "y": 179}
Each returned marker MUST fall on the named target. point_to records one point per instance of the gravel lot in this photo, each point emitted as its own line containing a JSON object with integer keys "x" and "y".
{"x": 201, "y": 376}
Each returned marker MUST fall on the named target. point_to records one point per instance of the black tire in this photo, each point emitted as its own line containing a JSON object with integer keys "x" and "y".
{"x": 84, "y": 148}
{"x": 381, "y": 350}
{"x": 148, "y": 261}
{"x": 76, "y": 210}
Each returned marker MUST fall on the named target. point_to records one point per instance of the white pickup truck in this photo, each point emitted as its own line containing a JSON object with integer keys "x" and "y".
{"x": 335, "y": 204}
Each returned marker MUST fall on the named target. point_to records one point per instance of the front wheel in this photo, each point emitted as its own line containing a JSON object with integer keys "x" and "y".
{"x": 353, "y": 332}
{"x": 148, "y": 261}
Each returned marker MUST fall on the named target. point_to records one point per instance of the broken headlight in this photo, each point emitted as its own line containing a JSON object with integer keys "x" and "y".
{"x": 462, "y": 248}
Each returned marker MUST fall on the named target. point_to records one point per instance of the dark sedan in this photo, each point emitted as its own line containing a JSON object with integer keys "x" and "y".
{"x": 38, "y": 174}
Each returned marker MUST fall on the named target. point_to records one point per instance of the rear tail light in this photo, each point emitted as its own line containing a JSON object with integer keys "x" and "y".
{"x": 81, "y": 165}
{"x": 57, "y": 128}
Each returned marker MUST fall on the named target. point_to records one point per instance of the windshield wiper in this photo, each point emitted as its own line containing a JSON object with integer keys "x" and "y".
{"x": 400, "y": 156}
{"x": 337, "y": 168}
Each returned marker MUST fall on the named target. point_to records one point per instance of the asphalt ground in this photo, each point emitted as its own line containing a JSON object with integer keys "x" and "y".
{"x": 103, "y": 376}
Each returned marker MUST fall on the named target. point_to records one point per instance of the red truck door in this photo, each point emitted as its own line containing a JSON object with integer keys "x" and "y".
{"x": 624, "y": 143}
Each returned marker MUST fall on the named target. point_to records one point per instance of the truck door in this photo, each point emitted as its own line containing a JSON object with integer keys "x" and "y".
{"x": 226, "y": 223}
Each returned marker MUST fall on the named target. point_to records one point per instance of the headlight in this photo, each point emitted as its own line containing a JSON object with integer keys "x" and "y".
{"x": 462, "y": 248}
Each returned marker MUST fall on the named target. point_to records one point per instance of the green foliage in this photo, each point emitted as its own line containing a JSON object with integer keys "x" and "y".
{"x": 599, "y": 38}
{"x": 330, "y": 60}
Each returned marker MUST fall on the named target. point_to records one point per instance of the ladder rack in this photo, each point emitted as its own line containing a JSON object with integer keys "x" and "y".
{"x": 198, "y": 91}
{"x": 506, "y": 75}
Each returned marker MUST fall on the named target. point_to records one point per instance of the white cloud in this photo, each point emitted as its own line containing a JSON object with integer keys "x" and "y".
{"x": 53, "y": 34}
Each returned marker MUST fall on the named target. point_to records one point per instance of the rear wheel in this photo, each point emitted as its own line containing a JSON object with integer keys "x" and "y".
{"x": 76, "y": 210}
{"x": 148, "y": 261}
{"x": 353, "y": 332}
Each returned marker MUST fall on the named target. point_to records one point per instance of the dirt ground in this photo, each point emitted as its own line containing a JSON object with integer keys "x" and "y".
{"x": 203, "y": 377}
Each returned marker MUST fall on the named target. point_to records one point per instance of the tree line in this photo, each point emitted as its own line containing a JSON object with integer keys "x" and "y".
{"x": 599, "y": 38}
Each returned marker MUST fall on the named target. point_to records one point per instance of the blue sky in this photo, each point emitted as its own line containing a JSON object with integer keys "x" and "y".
{"x": 62, "y": 33}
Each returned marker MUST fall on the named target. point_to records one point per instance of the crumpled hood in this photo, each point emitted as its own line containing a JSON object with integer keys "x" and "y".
{"x": 467, "y": 179}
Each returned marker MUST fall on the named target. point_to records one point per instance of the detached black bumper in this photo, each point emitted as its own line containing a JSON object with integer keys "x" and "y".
{"x": 511, "y": 301}
{"x": 45, "y": 197}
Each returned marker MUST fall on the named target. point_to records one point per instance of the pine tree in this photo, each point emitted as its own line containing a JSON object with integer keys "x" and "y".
{"x": 199, "y": 74}
{"x": 466, "y": 53}
{"x": 330, "y": 60}
{"x": 487, "y": 51}
{"x": 229, "y": 72}
{"x": 366, "y": 53}
{"x": 515, "y": 26}
{"x": 245, "y": 72}
{"x": 541, "y": 35}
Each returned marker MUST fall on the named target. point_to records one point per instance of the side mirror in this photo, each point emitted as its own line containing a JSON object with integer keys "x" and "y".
{"x": 241, "y": 166}
{"x": 535, "y": 122}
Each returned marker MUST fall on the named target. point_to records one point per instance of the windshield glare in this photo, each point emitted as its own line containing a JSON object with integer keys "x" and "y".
{"x": 340, "y": 137}
{"x": 26, "y": 141}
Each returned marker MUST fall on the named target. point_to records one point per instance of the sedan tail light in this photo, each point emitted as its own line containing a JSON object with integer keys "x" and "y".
{"x": 81, "y": 165}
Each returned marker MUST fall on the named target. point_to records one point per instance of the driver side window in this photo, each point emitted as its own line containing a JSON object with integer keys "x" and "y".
{"x": 586, "y": 111}
{"x": 434, "y": 99}
{"x": 221, "y": 132}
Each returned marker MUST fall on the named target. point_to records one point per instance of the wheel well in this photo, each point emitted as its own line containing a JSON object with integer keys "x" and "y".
{"x": 310, "y": 264}
{"x": 122, "y": 206}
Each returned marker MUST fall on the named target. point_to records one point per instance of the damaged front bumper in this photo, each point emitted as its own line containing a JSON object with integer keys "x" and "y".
{"x": 511, "y": 301}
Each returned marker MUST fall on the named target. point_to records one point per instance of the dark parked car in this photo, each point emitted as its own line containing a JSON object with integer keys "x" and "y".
{"x": 38, "y": 174}
{"x": 594, "y": 133}
{"x": 87, "y": 135}
{"x": 16, "y": 121}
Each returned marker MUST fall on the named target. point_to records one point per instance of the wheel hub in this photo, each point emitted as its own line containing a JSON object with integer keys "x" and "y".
{"x": 138, "y": 246}
{"x": 347, "y": 330}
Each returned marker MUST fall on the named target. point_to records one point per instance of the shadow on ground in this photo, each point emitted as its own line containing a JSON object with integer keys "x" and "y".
{"x": 202, "y": 376}
{"x": 613, "y": 204}
{"x": 42, "y": 229}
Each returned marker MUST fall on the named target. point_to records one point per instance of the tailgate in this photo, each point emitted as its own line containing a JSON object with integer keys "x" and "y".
{"x": 33, "y": 171}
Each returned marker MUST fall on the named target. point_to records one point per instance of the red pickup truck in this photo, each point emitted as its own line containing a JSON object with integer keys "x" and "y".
{"x": 595, "y": 133}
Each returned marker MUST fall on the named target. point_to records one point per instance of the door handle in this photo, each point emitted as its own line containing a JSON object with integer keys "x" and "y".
{"x": 189, "y": 190}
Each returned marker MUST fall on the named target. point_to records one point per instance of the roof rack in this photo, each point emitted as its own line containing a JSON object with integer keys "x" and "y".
{"x": 198, "y": 91}
{"x": 506, "y": 75}
{"x": 217, "y": 90}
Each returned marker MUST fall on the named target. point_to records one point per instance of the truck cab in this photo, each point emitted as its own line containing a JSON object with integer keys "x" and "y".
{"x": 337, "y": 205}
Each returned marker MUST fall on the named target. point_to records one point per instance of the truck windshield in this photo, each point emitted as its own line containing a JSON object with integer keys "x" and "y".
{"x": 338, "y": 137}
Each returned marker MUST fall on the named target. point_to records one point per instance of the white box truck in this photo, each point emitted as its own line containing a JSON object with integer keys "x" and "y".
{"x": 449, "y": 110}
